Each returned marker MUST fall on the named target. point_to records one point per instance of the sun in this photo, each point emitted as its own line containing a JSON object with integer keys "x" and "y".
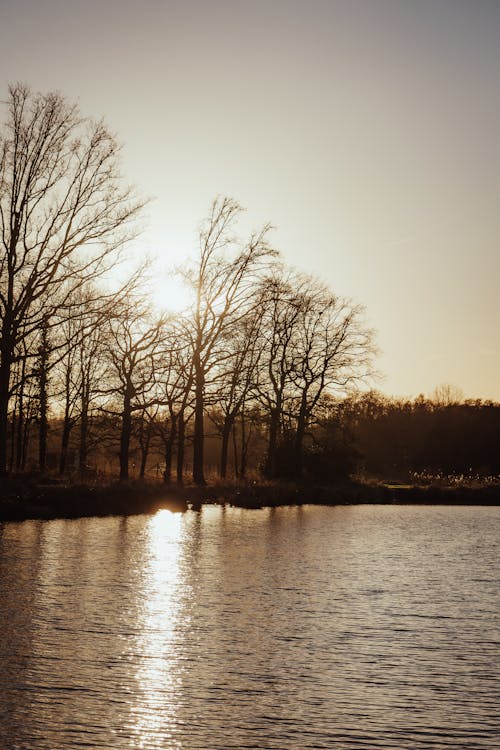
{"x": 169, "y": 293}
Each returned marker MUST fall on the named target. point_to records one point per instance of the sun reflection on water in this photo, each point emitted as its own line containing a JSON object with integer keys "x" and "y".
{"x": 157, "y": 656}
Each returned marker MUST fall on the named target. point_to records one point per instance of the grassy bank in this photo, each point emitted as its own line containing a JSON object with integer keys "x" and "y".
{"x": 349, "y": 492}
{"x": 37, "y": 498}
{"x": 22, "y": 498}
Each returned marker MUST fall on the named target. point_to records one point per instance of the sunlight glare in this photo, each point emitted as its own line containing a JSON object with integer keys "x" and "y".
{"x": 155, "y": 715}
{"x": 170, "y": 293}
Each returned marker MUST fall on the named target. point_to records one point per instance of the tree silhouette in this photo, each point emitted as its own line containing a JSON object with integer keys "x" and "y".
{"x": 222, "y": 280}
{"x": 63, "y": 215}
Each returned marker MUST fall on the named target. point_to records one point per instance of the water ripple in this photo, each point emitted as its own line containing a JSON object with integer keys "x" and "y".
{"x": 347, "y": 628}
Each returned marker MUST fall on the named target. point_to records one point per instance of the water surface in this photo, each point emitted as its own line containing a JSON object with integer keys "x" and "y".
{"x": 357, "y": 627}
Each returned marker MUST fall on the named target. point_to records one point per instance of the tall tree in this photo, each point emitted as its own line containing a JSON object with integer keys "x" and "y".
{"x": 235, "y": 378}
{"x": 281, "y": 310}
{"x": 177, "y": 383}
{"x": 135, "y": 358}
{"x": 222, "y": 279}
{"x": 313, "y": 342}
{"x": 81, "y": 363}
{"x": 63, "y": 214}
{"x": 42, "y": 375}
{"x": 331, "y": 350}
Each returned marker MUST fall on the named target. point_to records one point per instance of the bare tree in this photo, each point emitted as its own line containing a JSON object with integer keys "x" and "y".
{"x": 177, "y": 383}
{"x": 222, "y": 279}
{"x": 135, "y": 358}
{"x": 446, "y": 394}
{"x": 70, "y": 390}
{"x": 332, "y": 350}
{"x": 63, "y": 214}
{"x": 281, "y": 310}
{"x": 23, "y": 391}
{"x": 42, "y": 376}
{"x": 235, "y": 379}
{"x": 145, "y": 429}
{"x": 313, "y": 342}
{"x": 80, "y": 363}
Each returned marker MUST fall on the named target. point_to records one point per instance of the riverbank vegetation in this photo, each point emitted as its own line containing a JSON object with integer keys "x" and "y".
{"x": 256, "y": 382}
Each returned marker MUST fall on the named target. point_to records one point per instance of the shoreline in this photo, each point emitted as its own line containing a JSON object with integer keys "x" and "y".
{"x": 21, "y": 500}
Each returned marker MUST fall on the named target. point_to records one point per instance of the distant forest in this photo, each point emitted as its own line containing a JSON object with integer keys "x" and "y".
{"x": 259, "y": 375}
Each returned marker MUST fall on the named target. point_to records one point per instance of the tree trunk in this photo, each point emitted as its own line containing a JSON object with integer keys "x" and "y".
{"x": 67, "y": 424}
{"x": 169, "y": 448}
{"x": 7, "y": 346}
{"x": 44, "y": 422}
{"x": 180, "y": 447}
{"x": 66, "y": 432}
{"x": 125, "y": 438}
{"x": 20, "y": 419}
{"x": 198, "y": 438}
{"x": 226, "y": 433}
{"x": 299, "y": 438}
{"x": 145, "y": 452}
{"x": 26, "y": 443}
{"x": 19, "y": 435}
{"x": 270, "y": 465}
{"x": 13, "y": 430}
{"x": 44, "y": 352}
{"x": 84, "y": 426}
{"x": 235, "y": 450}
{"x": 84, "y": 429}
{"x": 244, "y": 447}
{"x": 5, "y": 366}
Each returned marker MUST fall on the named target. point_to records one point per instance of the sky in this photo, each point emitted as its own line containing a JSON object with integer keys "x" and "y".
{"x": 366, "y": 131}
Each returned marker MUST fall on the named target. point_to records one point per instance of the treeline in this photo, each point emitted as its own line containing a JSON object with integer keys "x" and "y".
{"x": 417, "y": 439}
{"x": 251, "y": 360}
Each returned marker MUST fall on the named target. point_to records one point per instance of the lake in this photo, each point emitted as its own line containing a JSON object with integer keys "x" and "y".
{"x": 356, "y": 627}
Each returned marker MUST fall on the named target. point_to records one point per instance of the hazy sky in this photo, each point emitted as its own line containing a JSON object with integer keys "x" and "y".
{"x": 366, "y": 131}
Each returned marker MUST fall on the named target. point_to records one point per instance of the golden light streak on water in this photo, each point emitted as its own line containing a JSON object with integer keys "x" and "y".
{"x": 158, "y": 674}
